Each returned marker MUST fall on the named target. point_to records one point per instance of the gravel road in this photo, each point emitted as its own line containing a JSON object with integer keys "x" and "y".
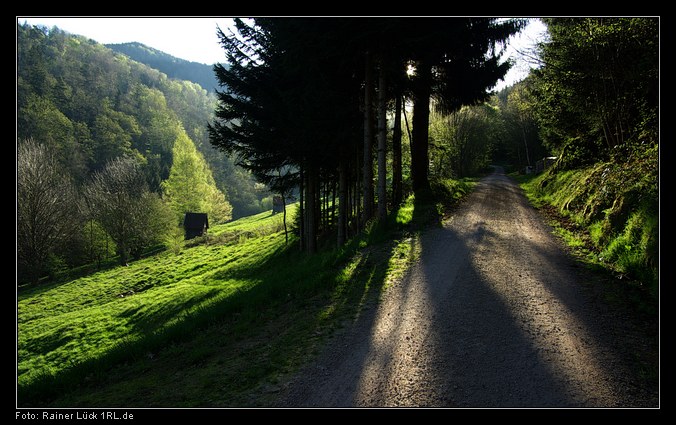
{"x": 494, "y": 314}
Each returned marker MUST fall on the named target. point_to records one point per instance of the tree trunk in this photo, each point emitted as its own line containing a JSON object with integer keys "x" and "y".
{"x": 286, "y": 232}
{"x": 408, "y": 128}
{"x": 323, "y": 204}
{"x": 334, "y": 188}
{"x": 318, "y": 223}
{"x": 357, "y": 196}
{"x": 368, "y": 140}
{"x": 302, "y": 209}
{"x": 421, "y": 122}
{"x": 397, "y": 180}
{"x": 342, "y": 203}
{"x": 382, "y": 145}
{"x": 311, "y": 211}
{"x": 525, "y": 142}
{"x": 124, "y": 253}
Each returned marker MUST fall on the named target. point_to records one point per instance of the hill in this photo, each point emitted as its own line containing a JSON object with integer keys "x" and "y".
{"x": 90, "y": 103}
{"x": 174, "y": 67}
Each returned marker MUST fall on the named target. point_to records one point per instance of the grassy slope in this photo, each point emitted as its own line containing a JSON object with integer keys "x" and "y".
{"x": 608, "y": 213}
{"x": 89, "y": 318}
{"x": 216, "y": 325}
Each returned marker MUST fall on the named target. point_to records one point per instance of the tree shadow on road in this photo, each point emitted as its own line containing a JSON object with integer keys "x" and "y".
{"x": 487, "y": 318}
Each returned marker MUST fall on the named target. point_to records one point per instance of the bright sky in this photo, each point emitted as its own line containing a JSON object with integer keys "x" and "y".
{"x": 534, "y": 32}
{"x": 195, "y": 39}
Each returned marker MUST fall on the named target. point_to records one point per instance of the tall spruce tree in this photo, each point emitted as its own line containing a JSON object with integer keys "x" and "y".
{"x": 455, "y": 61}
{"x": 298, "y": 93}
{"x": 281, "y": 107}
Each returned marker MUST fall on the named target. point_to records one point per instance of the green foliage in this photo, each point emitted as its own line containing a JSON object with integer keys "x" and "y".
{"x": 97, "y": 245}
{"x": 598, "y": 88}
{"x": 191, "y": 187}
{"x": 120, "y": 201}
{"x": 174, "y": 239}
{"x": 404, "y": 214}
{"x": 462, "y": 143}
{"x": 177, "y": 68}
{"x": 635, "y": 250}
{"x": 617, "y": 205}
{"x": 518, "y": 141}
{"x": 90, "y": 104}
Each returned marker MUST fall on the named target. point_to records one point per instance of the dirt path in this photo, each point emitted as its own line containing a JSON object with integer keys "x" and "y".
{"x": 494, "y": 315}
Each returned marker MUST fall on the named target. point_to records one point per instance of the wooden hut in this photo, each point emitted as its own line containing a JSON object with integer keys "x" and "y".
{"x": 277, "y": 204}
{"x": 195, "y": 224}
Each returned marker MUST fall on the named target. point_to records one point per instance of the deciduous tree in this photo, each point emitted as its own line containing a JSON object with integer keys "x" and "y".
{"x": 47, "y": 208}
{"x": 121, "y": 202}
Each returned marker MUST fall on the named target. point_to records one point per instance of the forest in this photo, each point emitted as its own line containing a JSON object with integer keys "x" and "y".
{"x": 82, "y": 107}
{"x": 382, "y": 109}
{"x": 176, "y": 68}
{"x": 323, "y": 122}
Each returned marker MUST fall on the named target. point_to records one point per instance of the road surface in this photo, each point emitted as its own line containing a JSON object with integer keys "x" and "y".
{"x": 494, "y": 314}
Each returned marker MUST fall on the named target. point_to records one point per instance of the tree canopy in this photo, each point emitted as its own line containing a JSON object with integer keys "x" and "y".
{"x": 191, "y": 186}
{"x": 598, "y": 90}
{"x": 297, "y": 93}
{"x": 90, "y": 104}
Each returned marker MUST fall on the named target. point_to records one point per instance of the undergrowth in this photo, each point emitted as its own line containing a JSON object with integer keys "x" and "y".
{"x": 613, "y": 211}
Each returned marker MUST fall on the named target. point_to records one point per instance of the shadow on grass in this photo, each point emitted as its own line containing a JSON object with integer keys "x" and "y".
{"x": 265, "y": 328}
{"x": 315, "y": 290}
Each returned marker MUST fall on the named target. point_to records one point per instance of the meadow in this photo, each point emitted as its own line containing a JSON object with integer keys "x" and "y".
{"x": 213, "y": 324}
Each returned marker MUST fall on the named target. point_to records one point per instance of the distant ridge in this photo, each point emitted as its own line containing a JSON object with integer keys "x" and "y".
{"x": 174, "y": 67}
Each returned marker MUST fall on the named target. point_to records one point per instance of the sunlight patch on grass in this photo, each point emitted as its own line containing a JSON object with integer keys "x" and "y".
{"x": 209, "y": 325}
{"x": 405, "y": 212}
{"x": 80, "y": 320}
{"x": 405, "y": 253}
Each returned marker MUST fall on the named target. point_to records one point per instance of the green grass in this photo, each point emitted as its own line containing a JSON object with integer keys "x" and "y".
{"x": 258, "y": 223}
{"x": 96, "y": 319}
{"x": 219, "y": 324}
{"x": 607, "y": 213}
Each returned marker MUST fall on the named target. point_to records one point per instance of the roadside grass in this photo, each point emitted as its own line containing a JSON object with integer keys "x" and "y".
{"x": 607, "y": 217}
{"x": 219, "y": 324}
{"x": 606, "y": 225}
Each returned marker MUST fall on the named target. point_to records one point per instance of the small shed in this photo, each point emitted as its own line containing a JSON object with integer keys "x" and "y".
{"x": 277, "y": 204}
{"x": 195, "y": 224}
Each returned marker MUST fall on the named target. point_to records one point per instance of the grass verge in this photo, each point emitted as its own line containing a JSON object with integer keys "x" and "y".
{"x": 609, "y": 219}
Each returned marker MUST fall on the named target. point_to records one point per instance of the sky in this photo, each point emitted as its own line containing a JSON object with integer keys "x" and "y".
{"x": 195, "y": 39}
